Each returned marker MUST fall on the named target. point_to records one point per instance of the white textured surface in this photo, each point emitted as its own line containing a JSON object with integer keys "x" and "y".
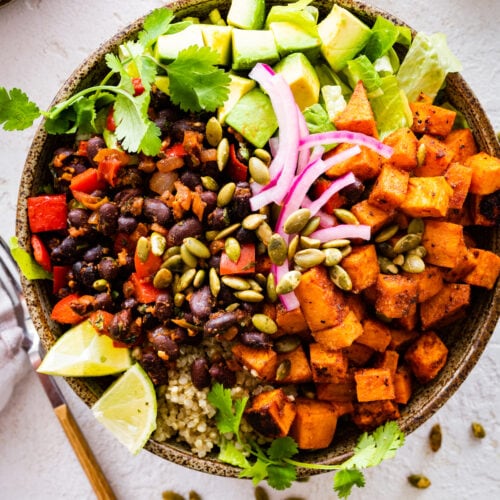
{"x": 41, "y": 42}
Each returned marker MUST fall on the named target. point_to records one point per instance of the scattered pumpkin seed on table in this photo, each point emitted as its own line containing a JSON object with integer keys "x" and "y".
{"x": 478, "y": 430}
{"x": 435, "y": 437}
{"x": 419, "y": 481}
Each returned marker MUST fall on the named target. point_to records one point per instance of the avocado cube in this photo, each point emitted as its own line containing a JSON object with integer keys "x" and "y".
{"x": 253, "y": 46}
{"x": 290, "y": 37}
{"x": 218, "y": 38}
{"x": 253, "y": 117}
{"x": 247, "y": 14}
{"x": 168, "y": 46}
{"x": 343, "y": 36}
{"x": 300, "y": 75}
{"x": 238, "y": 87}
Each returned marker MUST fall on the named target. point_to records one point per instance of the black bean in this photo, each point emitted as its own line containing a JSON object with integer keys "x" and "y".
{"x": 183, "y": 229}
{"x": 129, "y": 303}
{"x": 126, "y": 224}
{"x": 218, "y": 219}
{"x": 65, "y": 252}
{"x": 94, "y": 145}
{"x": 191, "y": 179}
{"x": 220, "y": 322}
{"x": 201, "y": 303}
{"x": 353, "y": 192}
{"x": 93, "y": 254}
{"x": 180, "y": 126}
{"x": 154, "y": 366}
{"x": 164, "y": 306}
{"x": 214, "y": 262}
{"x": 156, "y": 211}
{"x": 221, "y": 373}
{"x": 124, "y": 195}
{"x": 210, "y": 198}
{"x": 88, "y": 274}
{"x": 123, "y": 328}
{"x": 103, "y": 301}
{"x": 257, "y": 340}
{"x": 161, "y": 341}
{"x": 244, "y": 235}
{"x": 78, "y": 167}
{"x": 78, "y": 217}
{"x": 225, "y": 296}
{"x": 200, "y": 375}
{"x": 108, "y": 218}
{"x": 108, "y": 268}
{"x": 240, "y": 206}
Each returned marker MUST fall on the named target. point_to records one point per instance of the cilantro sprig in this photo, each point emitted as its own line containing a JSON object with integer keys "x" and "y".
{"x": 196, "y": 84}
{"x": 276, "y": 464}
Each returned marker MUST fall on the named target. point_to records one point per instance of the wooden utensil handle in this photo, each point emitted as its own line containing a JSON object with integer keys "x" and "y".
{"x": 84, "y": 454}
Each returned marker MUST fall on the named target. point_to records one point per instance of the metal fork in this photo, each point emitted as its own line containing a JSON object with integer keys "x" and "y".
{"x": 9, "y": 281}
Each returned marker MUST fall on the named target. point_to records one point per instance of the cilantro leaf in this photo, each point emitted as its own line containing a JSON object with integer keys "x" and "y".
{"x": 281, "y": 476}
{"x": 284, "y": 447}
{"x": 345, "y": 479}
{"x": 363, "y": 453}
{"x": 196, "y": 84}
{"x": 257, "y": 472}
{"x": 229, "y": 413}
{"x": 17, "y": 112}
{"x": 155, "y": 24}
{"x": 230, "y": 454}
{"x": 28, "y": 266}
{"x": 389, "y": 438}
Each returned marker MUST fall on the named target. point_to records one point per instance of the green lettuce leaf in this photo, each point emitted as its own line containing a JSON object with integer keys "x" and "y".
{"x": 384, "y": 35}
{"x": 362, "y": 69}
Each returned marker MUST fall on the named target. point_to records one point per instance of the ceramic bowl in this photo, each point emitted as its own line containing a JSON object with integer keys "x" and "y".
{"x": 466, "y": 340}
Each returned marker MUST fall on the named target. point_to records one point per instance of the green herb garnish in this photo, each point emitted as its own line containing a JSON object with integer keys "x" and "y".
{"x": 276, "y": 464}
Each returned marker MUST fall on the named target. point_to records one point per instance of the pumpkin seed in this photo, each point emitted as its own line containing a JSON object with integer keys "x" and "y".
{"x": 261, "y": 248}
{"x": 213, "y": 282}
{"x": 232, "y": 307}
{"x": 399, "y": 260}
{"x": 336, "y": 243}
{"x": 416, "y": 226}
{"x": 193, "y": 495}
{"x": 387, "y": 233}
{"x": 340, "y": 277}
{"x": 179, "y": 299}
{"x": 235, "y": 282}
{"x": 271, "y": 288}
{"x": 332, "y": 256}
{"x": 407, "y": 242}
{"x": 158, "y": 243}
{"x": 162, "y": 278}
{"x": 387, "y": 266}
{"x": 243, "y": 151}
{"x": 100, "y": 285}
{"x": 296, "y": 221}
{"x": 421, "y": 154}
{"x": 413, "y": 264}
{"x": 289, "y": 282}
{"x": 175, "y": 250}
{"x": 277, "y": 249}
{"x": 143, "y": 248}
{"x": 478, "y": 430}
{"x": 261, "y": 279}
{"x": 264, "y": 233}
{"x": 264, "y": 324}
{"x": 286, "y": 344}
{"x": 309, "y": 258}
{"x": 306, "y": 242}
{"x": 197, "y": 248}
{"x": 188, "y": 258}
{"x": 345, "y": 251}
{"x": 292, "y": 246}
{"x": 386, "y": 250}
{"x": 222, "y": 154}
{"x": 171, "y": 495}
{"x": 254, "y": 285}
{"x": 283, "y": 369}
{"x": 232, "y": 248}
{"x": 225, "y": 195}
{"x": 249, "y": 296}
{"x": 419, "y": 481}
{"x": 311, "y": 226}
{"x": 209, "y": 183}
{"x": 259, "y": 171}
{"x": 263, "y": 155}
{"x": 253, "y": 221}
{"x": 345, "y": 216}
{"x": 435, "y": 437}
{"x": 224, "y": 233}
{"x": 186, "y": 280}
{"x": 213, "y": 132}
{"x": 174, "y": 263}
{"x": 199, "y": 278}
{"x": 260, "y": 493}
{"x": 420, "y": 251}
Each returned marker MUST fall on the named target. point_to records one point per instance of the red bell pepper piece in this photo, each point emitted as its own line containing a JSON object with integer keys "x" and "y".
{"x": 146, "y": 268}
{"x": 40, "y": 253}
{"x": 109, "y": 163}
{"x": 64, "y": 313}
{"x": 244, "y": 265}
{"x": 60, "y": 278}
{"x": 47, "y": 212}
{"x": 237, "y": 170}
{"x": 144, "y": 291}
{"x": 336, "y": 201}
{"x": 110, "y": 120}
{"x": 87, "y": 182}
{"x": 175, "y": 150}
{"x": 101, "y": 320}
{"x": 138, "y": 86}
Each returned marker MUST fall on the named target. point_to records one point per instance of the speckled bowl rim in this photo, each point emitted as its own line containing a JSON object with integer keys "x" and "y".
{"x": 467, "y": 339}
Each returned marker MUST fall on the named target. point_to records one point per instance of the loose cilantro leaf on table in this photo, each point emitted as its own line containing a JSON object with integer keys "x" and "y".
{"x": 17, "y": 112}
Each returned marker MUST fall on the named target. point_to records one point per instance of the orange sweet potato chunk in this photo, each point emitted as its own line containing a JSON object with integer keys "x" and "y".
{"x": 374, "y": 384}
{"x": 426, "y": 356}
{"x": 371, "y": 215}
{"x": 388, "y": 359}
{"x": 427, "y": 197}
{"x": 290, "y": 322}
{"x": 429, "y": 282}
{"x": 459, "y": 177}
{"x": 430, "y": 119}
{"x": 476, "y": 203}
{"x": 396, "y": 295}
{"x": 436, "y": 159}
{"x": 362, "y": 267}
{"x": 365, "y": 165}
{"x": 402, "y": 385}
{"x": 340, "y": 336}
{"x": 404, "y": 146}
{"x": 462, "y": 143}
{"x": 376, "y": 335}
{"x": 358, "y": 354}
{"x": 465, "y": 265}
{"x": 485, "y": 173}
{"x": 300, "y": 370}
{"x": 400, "y": 339}
{"x": 444, "y": 242}
{"x": 327, "y": 366}
{"x": 486, "y": 270}
{"x": 343, "y": 391}
{"x": 389, "y": 190}
{"x": 368, "y": 416}
{"x": 263, "y": 361}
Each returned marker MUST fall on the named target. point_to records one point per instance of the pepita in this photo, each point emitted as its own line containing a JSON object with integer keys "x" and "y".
{"x": 224, "y": 233}
{"x": 143, "y": 248}
{"x": 336, "y": 243}
{"x": 264, "y": 233}
{"x": 387, "y": 233}
{"x": 186, "y": 280}
{"x": 232, "y": 248}
{"x": 478, "y": 430}
{"x": 416, "y": 226}
{"x": 225, "y": 195}
{"x": 253, "y": 221}
{"x": 345, "y": 216}
{"x": 179, "y": 299}
{"x": 399, "y": 259}
{"x": 332, "y": 256}
{"x": 263, "y": 155}
{"x": 235, "y": 282}
{"x": 296, "y": 221}
{"x": 293, "y": 246}
{"x": 413, "y": 264}
{"x": 209, "y": 183}
{"x": 277, "y": 249}
{"x": 286, "y": 344}
{"x": 271, "y": 288}
{"x": 213, "y": 132}
{"x": 162, "y": 278}
{"x": 259, "y": 171}
{"x": 174, "y": 263}
{"x": 199, "y": 278}
{"x": 197, "y": 248}
{"x": 309, "y": 257}
{"x": 339, "y": 277}
{"x": 283, "y": 369}
{"x": 175, "y": 250}
{"x": 213, "y": 282}
{"x": 289, "y": 282}
{"x": 345, "y": 251}
{"x": 158, "y": 243}
{"x": 222, "y": 154}
{"x": 264, "y": 324}
{"x": 419, "y": 481}
{"x": 232, "y": 307}
{"x": 435, "y": 437}
{"x": 188, "y": 258}
{"x": 386, "y": 250}
{"x": 211, "y": 235}
{"x": 249, "y": 296}
{"x": 387, "y": 266}
{"x": 261, "y": 279}
{"x": 407, "y": 242}
{"x": 254, "y": 285}
{"x": 306, "y": 242}
{"x": 100, "y": 285}
{"x": 311, "y": 226}
{"x": 420, "y": 251}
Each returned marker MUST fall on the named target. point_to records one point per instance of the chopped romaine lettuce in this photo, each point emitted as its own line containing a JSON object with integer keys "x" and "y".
{"x": 362, "y": 69}
{"x": 333, "y": 100}
{"x": 384, "y": 36}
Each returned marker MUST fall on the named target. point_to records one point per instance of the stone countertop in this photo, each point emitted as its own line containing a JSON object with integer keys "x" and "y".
{"x": 41, "y": 42}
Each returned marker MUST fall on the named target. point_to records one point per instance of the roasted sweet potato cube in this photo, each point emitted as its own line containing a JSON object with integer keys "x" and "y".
{"x": 485, "y": 173}
{"x": 368, "y": 416}
{"x": 327, "y": 366}
{"x": 357, "y": 305}
{"x": 426, "y": 356}
{"x": 314, "y": 424}
{"x": 486, "y": 270}
{"x": 342, "y": 407}
{"x": 462, "y": 143}
{"x": 429, "y": 282}
{"x": 342, "y": 391}
{"x": 271, "y": 413}
{"x": 373, "y": 384}
{"x": 371, "y": 216}
{"x": 340, "y": 336}
{"x": 402, "y": 385}
{"x": 408, "y": 322}
{"x": 261, "y": 361}
{"x": 445, "y": 307}
{"x": 376, "y": 335}
{"x": 430, "y": 119}
{"x": 358, "y": 354}
{"x": 387, "y": 359}
{"x": 400, "y": 339}
{"x": 465, "y": 265}
{"x": 357, "y": 116}
{"x": 444, "y": 242}
{"x": 427, "y": 197}
{"x": 390, "y": 188}
{"x": 436, "y": 159}
{"x": 365, "y": 165}
{"x": 483, "y": 210}
{"x": 396, "y": 295}
{"x": 321, "y": 302}
{"x": 291, "y": 322}
{"x": 362, "y": 267}
{"x": 300, "y": 371}
{"x": 404, "y": 146}
{"x": 459, "y": 177}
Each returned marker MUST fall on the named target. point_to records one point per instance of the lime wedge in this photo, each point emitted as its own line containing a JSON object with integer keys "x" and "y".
{"x": 128, "y": 408}
{"x": 83, "y": 352}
